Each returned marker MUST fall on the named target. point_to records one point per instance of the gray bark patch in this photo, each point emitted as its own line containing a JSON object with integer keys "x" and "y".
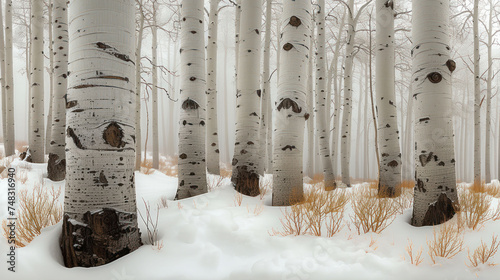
{"x": 440, "y": 212}
{"x": 287, "y": 103}
{"x": 113, "y": 135}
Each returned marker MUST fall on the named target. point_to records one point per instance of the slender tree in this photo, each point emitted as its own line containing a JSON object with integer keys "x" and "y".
{"x": 2, "y": 76}
{"x": 212, "y": 130}
{"x": 388, "y": 132}
{"x": 37, "y": 126}
{"x": 57, "y": 158}
{"x": 246, "y": 159}
{"x": 100, "y": 213}
{"x": 322, "y": 125}
{"x": 477, "y": 96}
{"x": 310, "y": 105}
{"x": 138, "y": 83}
{"x": 154, "y": 86}
{"x": 9, "y": 137}
{"x": 435, "y": 191}
{"x": 291, "y": 106}
{"x": 192, "y": 166}
{"x": 266, "y": 90}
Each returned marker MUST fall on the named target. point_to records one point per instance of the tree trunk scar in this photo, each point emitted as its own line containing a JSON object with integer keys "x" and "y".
{"x": 112, "y": 51}
{"x": 113, "y": 135}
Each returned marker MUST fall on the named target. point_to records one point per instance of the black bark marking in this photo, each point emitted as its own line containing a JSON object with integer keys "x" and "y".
{"x": 424, "y": 159}
{"x": 389, "y": 4}
{"x": 440, "y": 212}
{"x": 234, "y": 162}
{"x": 259, "y": 93}
{"x": 295, "y": 21}
{"x": 246, "y": 182}
{"x": 250, "y": 143}
{"x": 190, "y": 104}
{"x": 192, "y": 79}
{"x": 183, "y": 156}
{"x": 71, "y": 104}
{"x": 441, "y": 163}
{"x": 288, "y": 147}
{"x": 306, "y": 116}
{"x": 287, "y": 103}
{"x": 435, "y": 77}
{"x": 56, "y": 168}
{"x": 385, "y": 155}
{"x": 393, "y": 164}
{"x": 114, "y": 52}
{"x": 102, "y": 237}
{"x": 75, "y": 138}
{"x": 109, "y": 77}
{"x": 451, "y": 65}
{"x": 424, "y": 119}
{"x": 420, "y": 186}
{"x": 113, "y": 135}
{"x": 103, "y": 180}
{"x": 287, "y": 46}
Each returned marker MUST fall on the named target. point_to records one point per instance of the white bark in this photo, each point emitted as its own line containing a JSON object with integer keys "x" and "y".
{"x": 138, "y": 84}
{"x": 322, "y": 128}
{"x": 266, "y": 118}
{"x": 477, "y": 97}
{"x": 336, "y": 92}
{"x": 212, "y": 130}
{"x": 310, "y": 107}
{"x": 291, "y": 106}
{"x": 100, "y": 102}
{"x": 48, "y": 131}
{"x": 60, "y": 47}
{"x": 192, "y": 166}
{"x": 37, "y": 126}
{"x": 435, "y": 190}
{"x": 246, "y": 158}
{"x": 346, "y": 121}
{"x": 2, "y": 77}
{"x": 388, "y": 133}
{"x": 9, "y": 137}
{"x": 154, "y": 89}
{"x": 487, "y": 145}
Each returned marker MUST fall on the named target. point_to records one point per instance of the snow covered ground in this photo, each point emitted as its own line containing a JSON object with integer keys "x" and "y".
{"x": 209, "y": 237}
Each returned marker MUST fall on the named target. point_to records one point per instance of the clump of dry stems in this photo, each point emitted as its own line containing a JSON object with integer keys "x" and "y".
{"x": 475, "y": 206}
{"x": 415, "y": 257}
{"x": 447, "y": 242}
{"x": 37, "y": 209}
{"x": 484, "y": 253}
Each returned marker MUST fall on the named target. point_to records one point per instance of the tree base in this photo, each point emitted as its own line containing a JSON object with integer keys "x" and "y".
{"x": 104, "y": 236}
{"x": 437, "y": 213}
{"x": 246, "y": 182}
{"x": 26, "y": 156}
{"x": 387, "y": 192}
{"x": 56, "y": 168}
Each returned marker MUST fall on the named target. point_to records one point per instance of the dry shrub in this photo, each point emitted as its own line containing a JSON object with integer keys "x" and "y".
{"x": 446, "y": 243}
{"x": 36, "y": 210}
{"x": 293, "y": 221}
{"x": 151, "y": 223}
{"x": 317, "y": 178}
{"x": 415, "y": 258}
{"x": 319, "y": 208}
{"x": 22, "y": 177}
{"x": 226, "y": 172}
{"x": 163, "y": 202}
{"x": 370, "y": 212}
{"x": 238, "y": 198}
{"x": 478, "y": 187}
{"x": 493, "y": 190}
{"x": 265, "y": 186}
{"x": 404, "y": 200}
{"x": 168, "y": 166}
{"x": 257, "y": 210}
{"x": 484, "y": 253}
{"x": 319, "y": 204}
{"x": 147, "y": 167}
{"x": 474, "y": 207}
{"x": 214, "y": 182}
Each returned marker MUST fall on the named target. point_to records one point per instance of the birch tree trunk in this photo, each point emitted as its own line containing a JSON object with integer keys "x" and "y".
{"x": 56, "y": 167}
{"x": 2, "y": 77}
{"x": 477, "y": 97}
{"x": 48, "y": 131}
{"x": 487, "y": 145}
{"x": 291, "y": 105}
{"x": 322, "y": 128}
{"x": 336, "y": 92}
{"x": 266, "y": 91}
{"x": 138, "y": 83}
{"x": 100, "y": 213}
{"x": 212, "y": 129}
{"x": 310, "y": 105}
{"x": 37, "y": 126}
{"x": 387, "y": 115}
{"x": 154, "y": 89}
{"x": 435, "y": 190}
{"x": 246, "y": 159}
{"x": 346, "y": 122}
{"x": 192, "y": 166}
{"x": 9, "y": 137}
